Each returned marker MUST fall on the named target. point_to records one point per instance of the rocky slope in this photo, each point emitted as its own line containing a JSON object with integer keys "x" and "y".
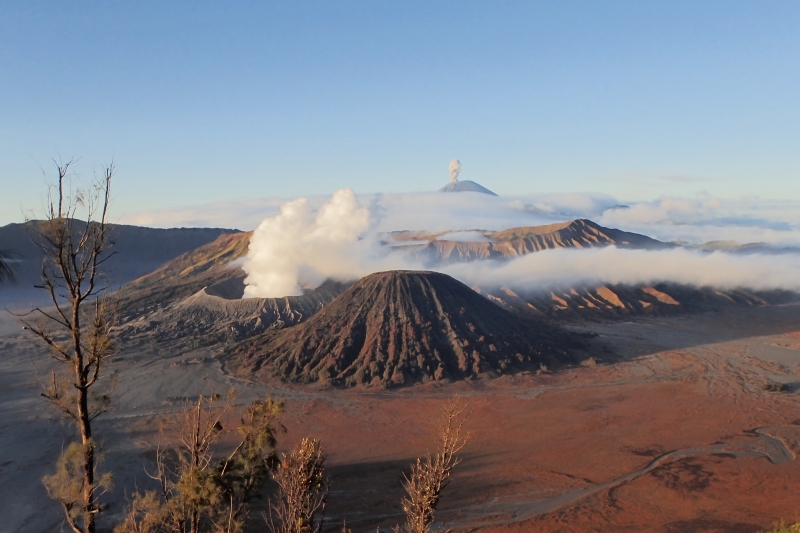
{"x": 401, "y": 327}
{"x": 206, "y": 318}
{"x": 198, "y": 296}
{"x": 621, "y": 301}
{"x": 184, "y": 276}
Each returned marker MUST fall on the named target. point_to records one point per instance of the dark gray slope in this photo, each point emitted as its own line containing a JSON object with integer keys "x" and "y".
{"x": 137, "y": 251}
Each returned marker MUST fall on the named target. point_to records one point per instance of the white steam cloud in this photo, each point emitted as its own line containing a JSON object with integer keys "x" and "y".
{"x": 611, "y": 265}
{"x": 455, "y": 170}
{"x": 301, "y": 247}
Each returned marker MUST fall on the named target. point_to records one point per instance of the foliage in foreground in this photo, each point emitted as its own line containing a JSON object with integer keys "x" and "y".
{"x": 202, "y": 492}
{"x": 199, "y": 490}
{"x": 431, "y": 474}
{"x": 303, "y": 490}
{"x": 786, "y": 528}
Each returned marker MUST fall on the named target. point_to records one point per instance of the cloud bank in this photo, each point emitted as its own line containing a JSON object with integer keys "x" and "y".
{"x": 301, "y": 246}
{"x": 611, "y": 265}
{"x": 692, "y": 220}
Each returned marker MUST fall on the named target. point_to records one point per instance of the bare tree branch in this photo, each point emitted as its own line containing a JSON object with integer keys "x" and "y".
{"x": 303, "y": 496}
{"x": 77, "y": 338}
{"x": 6, "y": 267}
{"x": 431, "y": 475}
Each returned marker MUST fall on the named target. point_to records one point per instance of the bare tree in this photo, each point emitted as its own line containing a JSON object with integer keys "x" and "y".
{"x": 431, "y": 475}
{"x": 74, "y": 252}
{"x": 303, "y": 490}
{"x": 199, "y": 490}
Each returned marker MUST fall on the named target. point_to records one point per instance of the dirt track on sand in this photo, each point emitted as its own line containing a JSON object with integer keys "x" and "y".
{"x": 663, "y": 438}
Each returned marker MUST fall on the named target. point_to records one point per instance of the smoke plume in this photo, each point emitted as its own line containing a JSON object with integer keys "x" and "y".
{"x": 302, "y": 247}
{"x": 455, "y": 170}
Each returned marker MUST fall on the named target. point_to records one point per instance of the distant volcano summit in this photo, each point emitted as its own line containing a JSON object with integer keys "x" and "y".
{"x": 462, "y": 186}
{"x": 466, "y": 186}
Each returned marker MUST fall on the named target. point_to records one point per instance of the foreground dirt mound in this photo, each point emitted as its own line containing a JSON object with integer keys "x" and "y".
{"x": 401, "y": 327}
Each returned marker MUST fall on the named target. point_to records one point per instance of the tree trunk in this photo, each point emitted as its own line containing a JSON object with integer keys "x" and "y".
{"x": 88, "y": 462}
{"x": 84, "y": 425}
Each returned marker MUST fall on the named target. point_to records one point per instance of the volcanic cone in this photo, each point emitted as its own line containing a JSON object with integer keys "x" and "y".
{"x": 400, "y": 327}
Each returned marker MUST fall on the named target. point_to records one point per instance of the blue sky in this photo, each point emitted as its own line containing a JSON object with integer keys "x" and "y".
{"x": 204, "y": 102}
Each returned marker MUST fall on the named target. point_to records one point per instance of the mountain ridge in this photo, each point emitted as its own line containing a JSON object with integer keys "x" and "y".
{"x": 208, "y": 276}
{"x": 513, "y": 242}
{"x": 136, "y": 252}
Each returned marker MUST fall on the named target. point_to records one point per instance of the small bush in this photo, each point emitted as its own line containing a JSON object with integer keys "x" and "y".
{"x": 774, "y": 386}
{"x": 303, "y": 496}
{"x": 431, "y": 474}
{"x": 783, "y": 528}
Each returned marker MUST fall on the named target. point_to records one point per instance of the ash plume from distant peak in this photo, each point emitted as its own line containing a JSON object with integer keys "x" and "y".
{"x": 455, "y": 170}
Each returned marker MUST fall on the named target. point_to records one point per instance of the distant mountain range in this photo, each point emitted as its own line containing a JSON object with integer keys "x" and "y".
{"x": 183, "y": 288}
{"x": 199, "y": 292}
{"x": 137, "y": 251}
{"x": 514, "y": 242}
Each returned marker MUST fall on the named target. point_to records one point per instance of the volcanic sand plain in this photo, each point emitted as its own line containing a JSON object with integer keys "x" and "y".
{"x": 670, "y": 430}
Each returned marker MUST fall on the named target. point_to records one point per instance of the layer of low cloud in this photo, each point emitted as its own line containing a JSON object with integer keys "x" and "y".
{"x": 611, "y": 265}
{"x": 693, "y": 220}
{"x": 303, "y": 245}
{"x": 697, "y": 220}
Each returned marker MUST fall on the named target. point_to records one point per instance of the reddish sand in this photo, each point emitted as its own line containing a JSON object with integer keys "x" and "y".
{"x": 538, "y": 437}
{"x": 523, "y": 450}
{"x": 693, "y": 383}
